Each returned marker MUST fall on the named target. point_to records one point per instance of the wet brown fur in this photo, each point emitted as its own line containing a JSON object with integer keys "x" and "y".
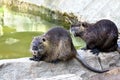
{"x": 58, "y": 45}
{"x": 101, "y": 35}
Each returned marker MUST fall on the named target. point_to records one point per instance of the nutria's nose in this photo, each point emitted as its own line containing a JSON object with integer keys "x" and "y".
{"x": 34, "y": 48}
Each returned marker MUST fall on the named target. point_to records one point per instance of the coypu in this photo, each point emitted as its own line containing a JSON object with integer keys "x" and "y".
{"x": 56, "y": 45}
{"x": 101, "y": 36}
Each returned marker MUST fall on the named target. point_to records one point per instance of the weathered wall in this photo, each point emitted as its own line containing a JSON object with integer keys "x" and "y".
{"x": 89, "y": 10}
{"x": 28, "y": 16}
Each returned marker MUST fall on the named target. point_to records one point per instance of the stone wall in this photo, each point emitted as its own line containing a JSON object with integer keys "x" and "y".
{"x": 22, "y": 13}
{"x": 86, "y": 10}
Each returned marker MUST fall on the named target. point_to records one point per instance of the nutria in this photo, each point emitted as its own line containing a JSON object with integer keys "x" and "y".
{"x": 56, "y": 45}
{"x": 101, "y": 36}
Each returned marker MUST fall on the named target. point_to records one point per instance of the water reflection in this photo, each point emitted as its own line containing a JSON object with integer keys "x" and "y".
{"x": 17, "y": 30}
{"x": 17, "y": 33}
{"x": 25, "y": 22}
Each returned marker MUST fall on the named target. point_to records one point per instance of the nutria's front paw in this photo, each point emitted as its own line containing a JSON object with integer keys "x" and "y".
{"x": 34, "y": 59}
{"x": 95, "y": 51}
{"x": 31, "y": 58}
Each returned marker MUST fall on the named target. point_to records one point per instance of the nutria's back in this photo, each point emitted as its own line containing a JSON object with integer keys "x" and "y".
{"x": 102, "y": 35}
{"x": 56, "y": 44}
{"x": 54, "y": 35}
{"x": 104, "y": 28}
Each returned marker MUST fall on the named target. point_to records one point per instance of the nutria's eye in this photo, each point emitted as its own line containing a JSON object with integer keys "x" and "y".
{"x": 43, "y": 40}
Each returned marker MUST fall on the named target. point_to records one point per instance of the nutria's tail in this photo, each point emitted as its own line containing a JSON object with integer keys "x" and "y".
{"x": 84, "y": 63}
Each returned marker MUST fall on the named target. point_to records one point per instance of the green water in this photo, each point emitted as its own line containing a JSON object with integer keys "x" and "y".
{"x": 15, "y": 41}
{"x": 16, "y": 45}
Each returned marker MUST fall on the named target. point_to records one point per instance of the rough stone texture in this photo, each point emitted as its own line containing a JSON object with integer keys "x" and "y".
{"x": 24, "y": 69}
{"x": 111, "y": 75}
{"x": 60, "y": 77}
{"x": 89, "y": 10}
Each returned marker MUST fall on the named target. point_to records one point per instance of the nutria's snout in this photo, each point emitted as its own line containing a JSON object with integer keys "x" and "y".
{"x": 35, "y": 48}
{"x": 34, "y": 52}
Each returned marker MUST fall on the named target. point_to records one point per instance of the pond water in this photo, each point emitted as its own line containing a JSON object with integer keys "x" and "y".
{"x": 15, "y": 45}
{"x": 18, "y": 31}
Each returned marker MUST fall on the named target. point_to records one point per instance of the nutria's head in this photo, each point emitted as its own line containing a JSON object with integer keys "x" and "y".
{"x": 78, "y": 28}
{"x": 37, "y": 46}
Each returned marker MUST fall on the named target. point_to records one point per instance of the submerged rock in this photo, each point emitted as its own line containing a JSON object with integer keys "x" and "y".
{"x": 11, "y": 41}
{"x": 24, "y": 69}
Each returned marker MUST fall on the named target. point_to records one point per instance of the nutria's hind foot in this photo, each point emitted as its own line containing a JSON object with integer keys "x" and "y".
{"x": 95, "y": 51}
{"x": 55, "y": 61}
